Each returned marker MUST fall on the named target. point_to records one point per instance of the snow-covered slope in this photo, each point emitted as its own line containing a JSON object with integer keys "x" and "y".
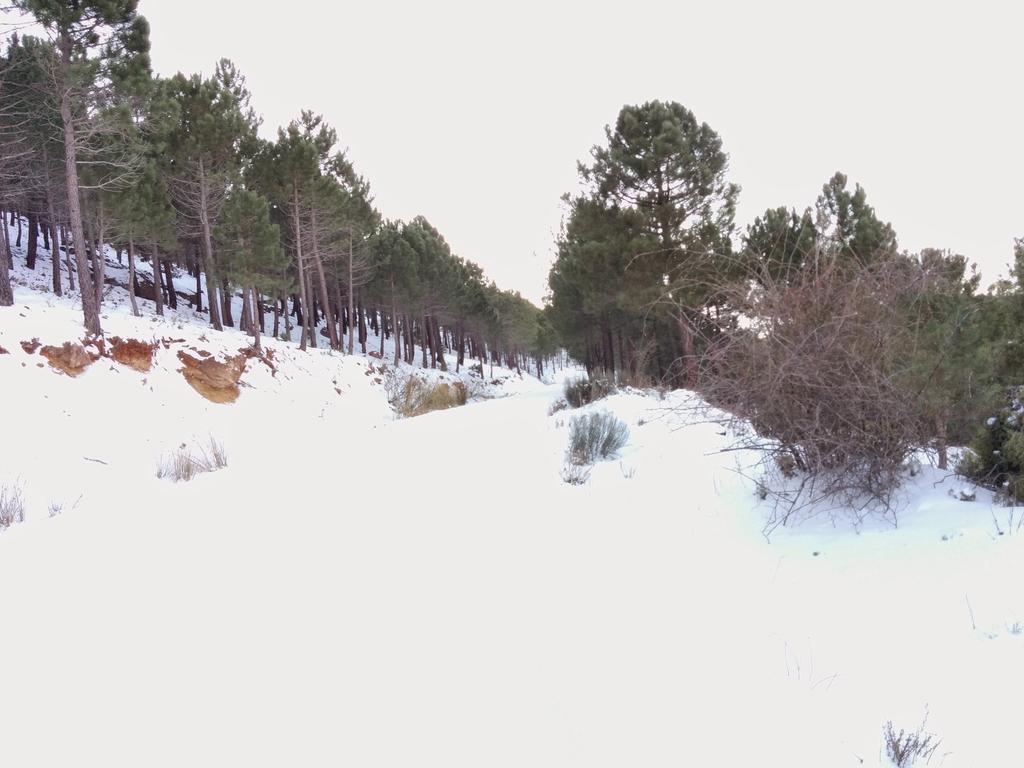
{"x": 358, "y": 590}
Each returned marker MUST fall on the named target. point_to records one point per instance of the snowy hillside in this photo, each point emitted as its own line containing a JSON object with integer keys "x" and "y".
{"x": 355, "y": 589}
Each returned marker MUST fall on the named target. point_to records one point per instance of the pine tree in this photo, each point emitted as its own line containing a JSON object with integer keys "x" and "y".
{"x": 849, "y": 224}
{"x": 214, "y": 133}
{"x": 670, "y": 169}
{"x": 88, "y": 34}
{"x": 777, "y": 244}
{"x": 251, "y": 258}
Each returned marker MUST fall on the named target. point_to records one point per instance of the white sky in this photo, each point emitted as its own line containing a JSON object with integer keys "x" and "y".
{"x": 474, "y": 114}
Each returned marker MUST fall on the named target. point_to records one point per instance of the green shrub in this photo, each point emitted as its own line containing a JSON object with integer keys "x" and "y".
{"x": 583, "y": 391}
{"x": 595, "y": 436}
{"x": 995, "y": 457}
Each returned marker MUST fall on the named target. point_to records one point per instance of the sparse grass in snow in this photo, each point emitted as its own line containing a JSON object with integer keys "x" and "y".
{"x": 12, "y": 506}
{"x": 905, "y": 749}
{"x": 575, "y": 474}
{"x": 595, "y": 436}
{"x": 188, "y": 461}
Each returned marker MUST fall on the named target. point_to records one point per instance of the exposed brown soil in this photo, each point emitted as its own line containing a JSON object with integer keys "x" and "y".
{"x": 266, "y": 357}
{"x": 216, "y": 381}
{"x": 71, "y": 358}
{"x": 133, "y": 353}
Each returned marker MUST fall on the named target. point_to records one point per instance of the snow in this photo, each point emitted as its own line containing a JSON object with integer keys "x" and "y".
{"x": 355, "y": 589}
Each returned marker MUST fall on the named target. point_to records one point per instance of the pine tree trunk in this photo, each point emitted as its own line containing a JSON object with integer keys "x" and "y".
{"x": 131, "y": 277}
{"x": 206, "y": 247}
{"x": 942, "y": 440}
{"x": 6, "y": 291}
{"x": 67, "y": 259}
{"x": 54, "y": 243}
{"x": 89, "y": 309}
{"x": 394, "y": 323}
{"x": 7, "y": 241}
{"x": 440, "y": 347}
{"x": 351, "y": 296}
{"x": 245, "y": 321}
{"x": 689, "y": 358}
{"x": 158, "y": 291}
{"x": 33, "y": 242}
{"x": 297, "y": 228}
{"x": 257, "y": 342}
{"x": 361, "y": 316}
{"x": 100, "y": 257}
{"x": 428, "y": 341}
{"x": 423, "y": 345}
{"x": 172, "y": 294}
{"x": 325, "y": 300}
{"x": 339, "y": 320}
{"x": 311, "y": 314}
{"x": 226, "y": 296}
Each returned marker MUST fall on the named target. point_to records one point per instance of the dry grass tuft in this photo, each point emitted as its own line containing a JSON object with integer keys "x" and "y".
{"x": 415, "y": 397}
{"x": 904, "y": 749}
{"x": 188, "y": 461}
{"x": 12, "y": 506}
{"x": 575, "y": 474}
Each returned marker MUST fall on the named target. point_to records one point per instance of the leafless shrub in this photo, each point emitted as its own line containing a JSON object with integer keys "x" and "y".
{"x": 905, "y": 749}
{"x": 817, "y": 367}
{"x": 185, "y": 462}
{"x": 12, "y": 506}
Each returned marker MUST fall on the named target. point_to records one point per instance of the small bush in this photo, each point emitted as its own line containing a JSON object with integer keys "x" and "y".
{"x": 415, "y": 397}
{"x": 905, "y": 748}
{"x": 12, "y": 506}
{"x": 581, "y": 391}
{"x": 188, "y": 461}
{"x": 556, "y": 406}
{"x": 995, "y": 457}
{"x": 577, "y": 392}
{"x": 595, "y": 436}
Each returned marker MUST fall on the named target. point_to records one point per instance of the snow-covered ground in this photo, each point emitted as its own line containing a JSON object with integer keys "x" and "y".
{"x": 358, "y": 590}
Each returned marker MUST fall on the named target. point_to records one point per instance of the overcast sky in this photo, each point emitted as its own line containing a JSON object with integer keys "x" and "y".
{"x": 474, "y": 114}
